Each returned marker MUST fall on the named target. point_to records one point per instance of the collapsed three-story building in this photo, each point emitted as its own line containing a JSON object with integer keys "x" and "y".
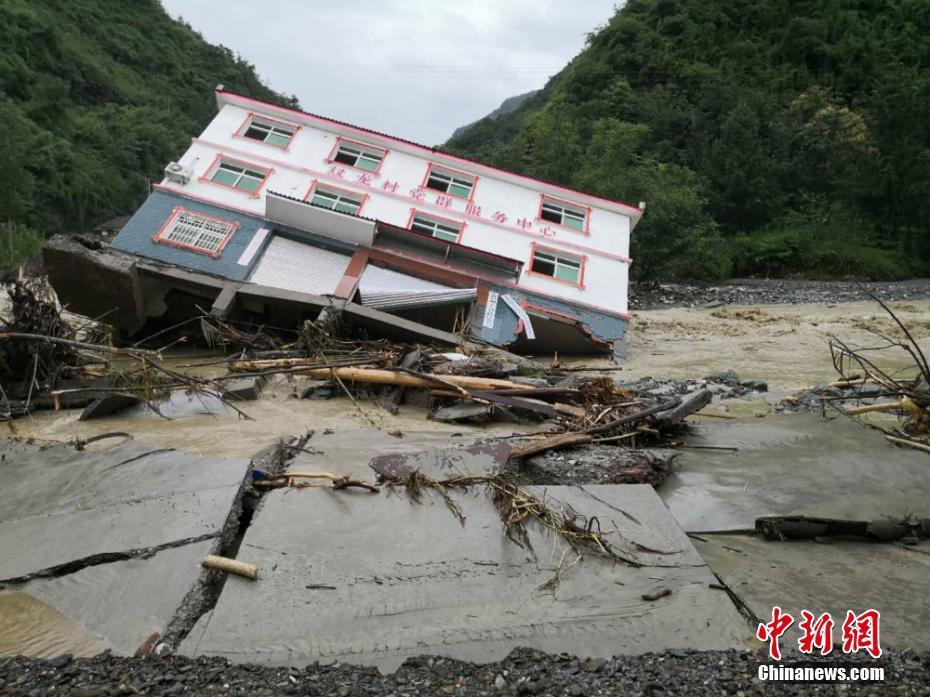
{"x": 301, "y": 205}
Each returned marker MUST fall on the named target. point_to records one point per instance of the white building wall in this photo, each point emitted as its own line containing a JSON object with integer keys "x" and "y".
{"x": 501, "y": 219}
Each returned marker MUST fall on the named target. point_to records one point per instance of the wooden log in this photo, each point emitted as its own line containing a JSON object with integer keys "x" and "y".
{"x": 396, "y": 377}
{"x": 908, "y": 443}
{"x": 882, "y": 406}
{"x": 230, "y": 566}
{"x": 563, "y": 440}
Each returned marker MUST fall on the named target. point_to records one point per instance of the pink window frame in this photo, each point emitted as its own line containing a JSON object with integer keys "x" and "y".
{"x": 316, "y": 183}
{"x": 206, "y": 177}
{"x": 340, "y": 140}
{"x": 240, "y": 132}
{"x": 429, "y": 170}
{"x": 452, "y": 221}
{"x": 586, "y": 209}
{"x": 159, "y": 238}
{"x": 584, "y": 262}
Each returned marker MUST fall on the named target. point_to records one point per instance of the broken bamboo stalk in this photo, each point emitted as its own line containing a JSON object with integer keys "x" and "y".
{"x": 908, "y": 443}
{"x": 883, "y": 406}
{"x": 230, "y": 566}
{"x": 563, "y": 440}
{"x": 403, "y": 379}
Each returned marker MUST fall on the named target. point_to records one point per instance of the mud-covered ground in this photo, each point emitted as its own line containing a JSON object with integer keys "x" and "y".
{"x": 524, "y": 672}
{"x": 762, "y": 291}
{"x": 785, "y": 345}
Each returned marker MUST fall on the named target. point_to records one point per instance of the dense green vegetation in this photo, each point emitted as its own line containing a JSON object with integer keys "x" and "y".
{"x": 96, "y": 96}
{"x": 766, "y": 136}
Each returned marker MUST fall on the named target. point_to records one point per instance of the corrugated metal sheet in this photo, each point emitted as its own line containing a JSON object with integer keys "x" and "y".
{"x": 303, "y": 268}
{"x": 389, "y": 290}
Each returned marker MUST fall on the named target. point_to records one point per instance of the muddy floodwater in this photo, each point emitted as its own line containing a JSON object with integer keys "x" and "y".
{"x": 782, "y": 464}
{"x": 30, "y": 627}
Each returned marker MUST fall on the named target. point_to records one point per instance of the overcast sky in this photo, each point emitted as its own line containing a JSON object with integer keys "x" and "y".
{"x": 412, "y": 68}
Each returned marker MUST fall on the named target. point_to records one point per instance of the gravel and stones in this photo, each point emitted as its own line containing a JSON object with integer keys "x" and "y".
{"x": 725, "y": 385}
{"x": 523, "y": 672}
{"x": 759, "y": 291}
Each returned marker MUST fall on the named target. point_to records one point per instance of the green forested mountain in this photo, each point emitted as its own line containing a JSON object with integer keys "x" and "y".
{"x": 766, "y": 136}
{"x": 96, "y": 96}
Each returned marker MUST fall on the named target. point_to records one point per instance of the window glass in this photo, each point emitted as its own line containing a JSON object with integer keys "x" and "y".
{"x": 442, "y": 231}
{"x": 561, "y": 214}
{"x": 267, "y": 132}
{"x": 239, "y": 177}
{"x": 565, "y": 268}
{"x": 200, "y": 232}
{"x": 358, "y": 156}
{"x": 457, "y": 185}
{"x": 336, "y": 200}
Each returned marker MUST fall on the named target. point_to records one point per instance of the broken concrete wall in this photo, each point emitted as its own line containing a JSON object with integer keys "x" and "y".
{"x": 599, "y": 326}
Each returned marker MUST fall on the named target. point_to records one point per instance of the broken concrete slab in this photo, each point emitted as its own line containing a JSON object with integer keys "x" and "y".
{"x": 108, "y": 405}
{"x": 480, "y": 459}
{"x": 784, "y": 465}
{"x": 690, "y": 403}
{"x": 244, "y": 389}
{"x": 96, "y": 505}
{"x": 830, "y": 578}
{"x": 466, "y": 411}
{"x": 349, "y": 452}
{"x": 126, "y": 602}
{"x": 418, "y": 582}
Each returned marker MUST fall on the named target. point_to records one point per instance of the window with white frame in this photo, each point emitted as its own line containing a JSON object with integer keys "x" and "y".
{"x": 199, "y": 232}
{"x": 442, "y": 229}
{"x": 565, "y": 267}
{"x": 239, "y": 175}
{"x": 358, "y": 155}
{"x": 337, "y": 199}
{"x": 448, "y": 181}
{"x": 563, "y": 214}
{"x": 268, "y": 131}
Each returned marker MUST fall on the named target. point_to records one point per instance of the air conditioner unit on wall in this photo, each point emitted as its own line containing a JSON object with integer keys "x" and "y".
{"x": 177, "y": 172}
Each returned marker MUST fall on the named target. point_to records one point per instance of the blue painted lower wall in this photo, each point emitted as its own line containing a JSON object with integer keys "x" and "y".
{"x": 604, "y": 327}
{"x": 136, "y": 237}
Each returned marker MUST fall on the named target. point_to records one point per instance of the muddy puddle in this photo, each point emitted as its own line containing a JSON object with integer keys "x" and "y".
{"x": 30, "y": 627}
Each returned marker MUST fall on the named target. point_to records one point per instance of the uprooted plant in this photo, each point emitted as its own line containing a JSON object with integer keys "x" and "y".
{"x": 860, "y": 367}
{"x": 516, "y": 507}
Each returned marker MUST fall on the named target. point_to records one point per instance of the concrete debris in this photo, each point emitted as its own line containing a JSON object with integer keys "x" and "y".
{"x": 468, "y": 412}
{"x": 419, "y": 582}
{"x": 108, "y": 405}
{"x": 473, "y": 460}
{"x": 244, "y": 389}
{"x": 86, "y": 507}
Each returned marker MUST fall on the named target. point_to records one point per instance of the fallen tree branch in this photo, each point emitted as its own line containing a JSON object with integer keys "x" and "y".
{"x": 338, "y": 481}
{"x": 103, "y": 348}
